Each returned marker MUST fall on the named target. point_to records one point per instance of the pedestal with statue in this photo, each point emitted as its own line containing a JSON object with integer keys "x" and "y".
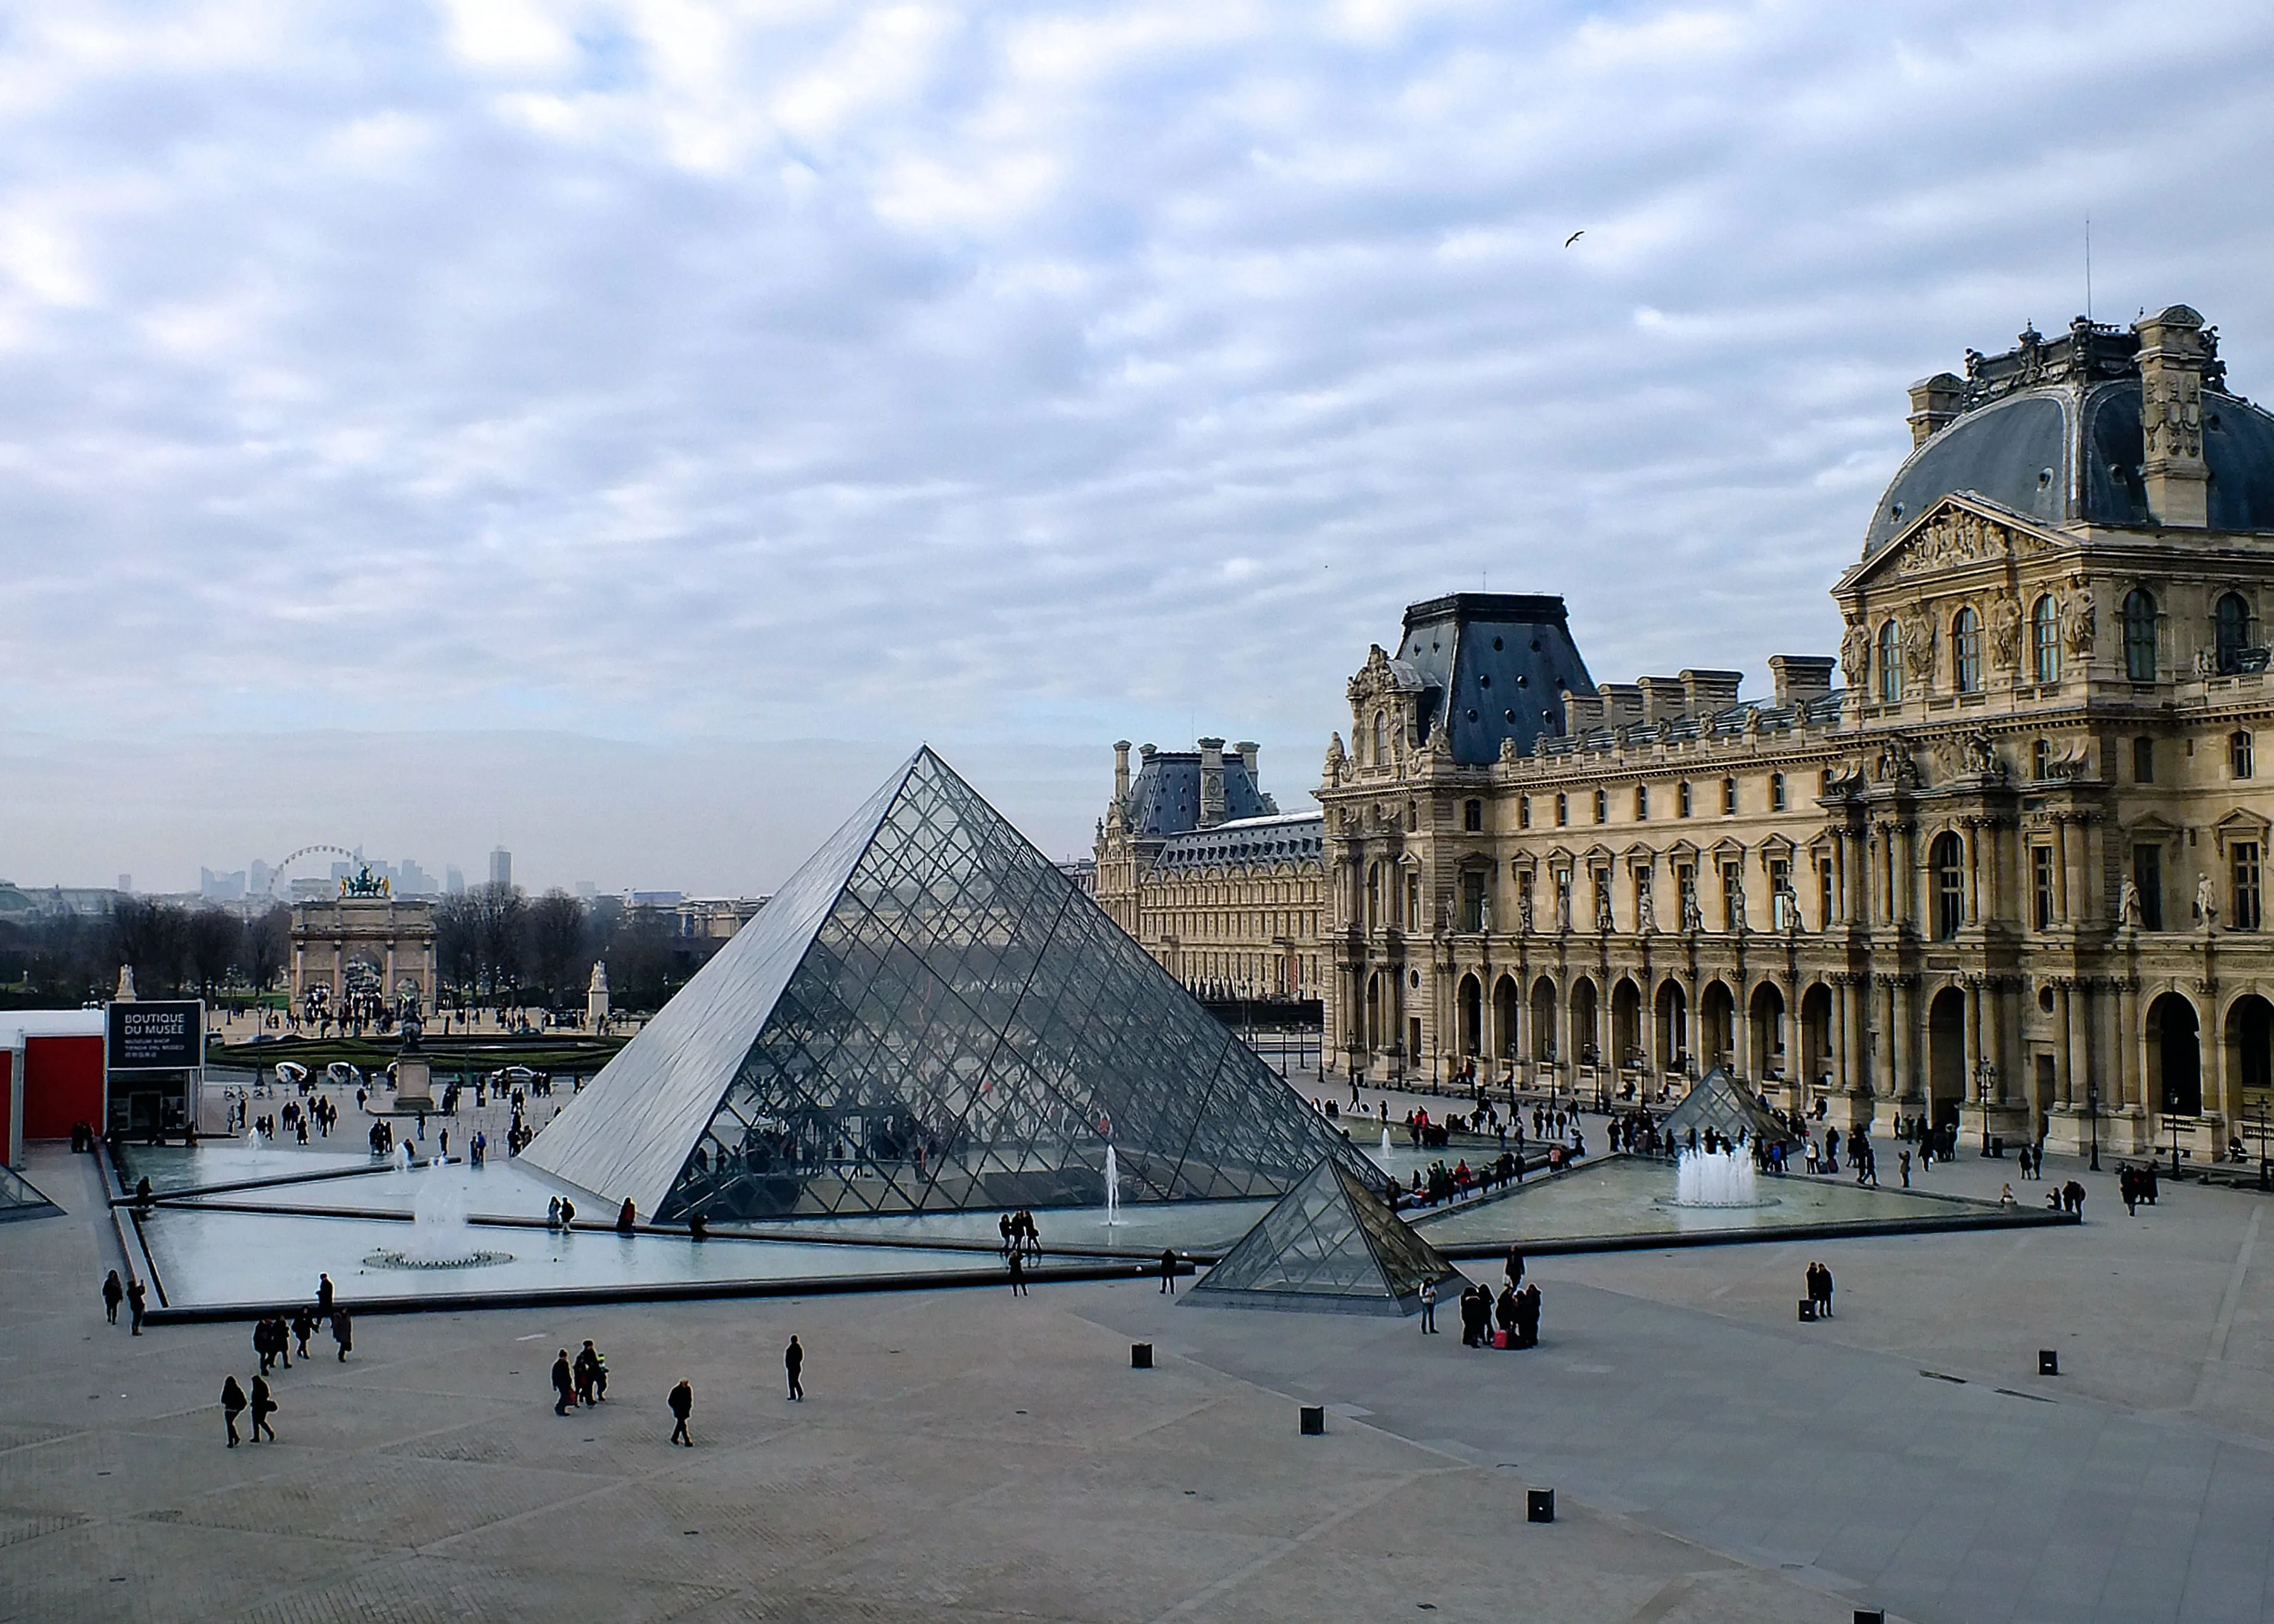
{"x": 414, "y": 1086}
{"x": 596, "y": 997}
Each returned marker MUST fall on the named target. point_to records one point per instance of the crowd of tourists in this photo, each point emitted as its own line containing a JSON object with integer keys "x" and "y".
{"x": 276, "y": 1337}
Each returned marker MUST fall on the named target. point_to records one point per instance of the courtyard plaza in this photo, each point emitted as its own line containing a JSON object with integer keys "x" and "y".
{"x": 967, "y": 1455}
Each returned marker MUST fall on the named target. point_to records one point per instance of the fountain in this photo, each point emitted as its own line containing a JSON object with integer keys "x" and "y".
{"x": 1385, "y": 1139}
{"x": 1112, "y": 1188}
{"x": 253, "y": 1141}
{"x": 402, "y": 1157}
{"x": 1723, "y": 1178}
{"x": 440, "y": 1236}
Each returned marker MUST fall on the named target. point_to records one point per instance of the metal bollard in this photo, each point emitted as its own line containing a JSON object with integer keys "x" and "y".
{"x": 1315, "y": 1420}
{"x": 1539, "y": 1505}
{"x": 2048, "y": 1362}
{"x": 1140, "y": 1355}
{"x": 1807, "y": 1308}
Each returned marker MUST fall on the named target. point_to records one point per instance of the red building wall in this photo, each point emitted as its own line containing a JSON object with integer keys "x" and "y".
{"x": 63, "y": 1084}
{"x": 7, "y": 1105}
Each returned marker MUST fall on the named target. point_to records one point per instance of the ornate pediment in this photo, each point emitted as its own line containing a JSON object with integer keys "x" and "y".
{"x": 1957, "y": 533}
{"x": 1381, "y": 674}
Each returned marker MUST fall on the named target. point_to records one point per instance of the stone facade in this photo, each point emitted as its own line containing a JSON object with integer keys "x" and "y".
{"x": 2012, "y": 872}
{"x": 1229, "y": 905}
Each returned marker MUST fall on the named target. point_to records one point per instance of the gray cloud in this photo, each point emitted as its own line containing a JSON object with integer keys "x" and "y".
{"x": 1019, "y": 377}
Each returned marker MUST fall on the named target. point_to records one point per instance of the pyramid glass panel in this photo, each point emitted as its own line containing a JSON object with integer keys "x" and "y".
{"x": 1720, "y": 1103}
{"x": 1330, "y": 1242}
{"x": 930, "y": 1018}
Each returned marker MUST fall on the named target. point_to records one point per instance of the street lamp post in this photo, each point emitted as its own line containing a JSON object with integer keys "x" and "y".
{"x": 2171, "y": 1117}
{"x": 1985, "y": 1079}
{"x": 2092, "y": 1104}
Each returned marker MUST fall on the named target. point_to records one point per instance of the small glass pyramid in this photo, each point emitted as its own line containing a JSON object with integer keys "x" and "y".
{"x": 929, "y": 1017}
{"x": 1720, "y": 1103}
{"x": 1330, "y": 1242}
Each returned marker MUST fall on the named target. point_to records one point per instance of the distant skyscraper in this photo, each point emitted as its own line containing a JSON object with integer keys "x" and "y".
{"x": 587, "y": 890}
{"x": 454, "y": 881}
{"x": 127, "y": 882}
{"x": 501, "y": 867}
{"x": 412, "y": 880}
{"x": 258, "y": 878}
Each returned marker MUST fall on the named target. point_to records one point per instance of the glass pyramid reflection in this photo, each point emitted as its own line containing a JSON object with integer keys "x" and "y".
{"x": 1720, "y": 1103}
{"x": 929, "y": 1017}
{"x": 1330, "y": 1242}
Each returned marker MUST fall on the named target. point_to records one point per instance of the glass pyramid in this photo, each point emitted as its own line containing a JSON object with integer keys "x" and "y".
{"x": 929, "y": 1017}
{"x": 1330, "y": 1242}
{"x": 1720, "y": 1103}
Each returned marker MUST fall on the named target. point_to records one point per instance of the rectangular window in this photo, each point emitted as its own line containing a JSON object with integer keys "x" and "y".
{"x": 1776, "y": 792}
{"x": 2041, "y": 881}
{"x": 1413, "y": 903}
{"x": 2243, "y": 915}
{"x": 1733, "y": 884}
{"x": 1563, "y": 808}
{"x": 2041, "y": 753}
{"x": 1685, "y": 890}
{"x": 1602, "y": 806}
{"x": 1472, "y": 816}
{"x": 1681, "y": 801}
{"x": 2147, "y": 880}
{"x": 1523, "y": 811}
{"x": 1642, "y": 803}
{"x": 1472, "y": 900}
{"x": 2239, "y": 754}
{"x": 1728, "y": 797}
{"x": 1824, "y": 895}
{"x": 2143, "y": 761}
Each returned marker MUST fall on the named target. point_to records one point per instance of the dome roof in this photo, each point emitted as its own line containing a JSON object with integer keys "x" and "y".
{"x": 2050, "y": 430}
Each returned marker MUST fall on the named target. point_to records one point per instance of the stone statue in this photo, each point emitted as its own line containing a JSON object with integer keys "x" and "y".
{"x": 125, "y": 993}
{"x": 2127, "y": 904}
{"x": 1645, "y": 909}
{"x": 1524, "y": 910}
{"x": 2207, "y": 903}
{"x": 1856, "y": 655}
{"x": 1603, "y": 922}
{"x": 1982, "y": 754}
{"x": 1737, "y": 904}
{"x": 1337, "y": 759}
{"x": 1692, "y": 918}
{"x": 1563, "y": 904}
{"x": 1785, "y": 909}
{"x": 2079, "y": 621}
{"x": 2006, "y": 632}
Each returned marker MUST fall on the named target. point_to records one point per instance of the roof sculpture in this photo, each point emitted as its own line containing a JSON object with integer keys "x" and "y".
{"x": 1331, "y": 1243}
{"x": 1720, "y": 1103}
{"x": 929, "y": 1017}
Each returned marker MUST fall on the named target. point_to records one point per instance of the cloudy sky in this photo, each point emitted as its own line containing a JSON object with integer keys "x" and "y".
{"x": 623, "y": 430}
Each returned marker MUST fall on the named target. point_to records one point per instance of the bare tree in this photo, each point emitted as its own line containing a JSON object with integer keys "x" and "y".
{"x": 154, "y": 937}
{"x": 267, "y": 943}
{"x": 556, "y": 943}
{"x": 215, "y": 936}
{"x": 501, "y": 919}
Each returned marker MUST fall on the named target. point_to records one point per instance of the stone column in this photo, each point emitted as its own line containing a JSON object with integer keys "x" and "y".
{"x": 1838, "y": 1035}
{"x": 1973, "y": 876}
{"x": 1890, "y": 1067}
{"x": 1849, "y": 875}
{"x": 2061, "y": 875}
{"x": 2128, "y": 1074}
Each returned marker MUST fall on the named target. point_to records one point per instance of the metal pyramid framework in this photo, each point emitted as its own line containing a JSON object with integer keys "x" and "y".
{"x": 1330, "y": 1242}
{"x": 929, "y": 1017}
{"x": 1720, "y": 1103}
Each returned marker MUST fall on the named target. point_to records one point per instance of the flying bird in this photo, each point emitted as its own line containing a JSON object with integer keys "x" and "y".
{"x": 1575, "y": 237}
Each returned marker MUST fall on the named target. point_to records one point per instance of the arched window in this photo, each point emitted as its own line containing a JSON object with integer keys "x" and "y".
{"x": 2044, "y": 639}
{"x": 1682, "y": 801}
{"x": 1382, "y": 738}
{"x": 1966, "y": 651}
{"x": 1523, "y": 811}
{"x": 1642, "y": 803}
{"x": 2233, "y": 632}
{"x": 1602, "y": 806}
{"x": 2139, "y": 635}
{"x": 1563, "y": 808}
{"x": 1948, "y": 859}
{"x": 1891, "y": 664}
{"x": 1729, "y": 798}
{"x": 1776, "y": 792}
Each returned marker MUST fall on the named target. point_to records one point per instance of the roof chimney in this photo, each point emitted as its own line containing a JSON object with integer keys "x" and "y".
{"x": 1661, "y": 698}
{"x": 1251, "y": 752}
{"x": 1211, "y": 783}
{"x": 1706, "y": 692}
{"x": 1934, "y": 405}
{"x": 1121, "y": 769}
{"x": 2174, "y": 348}
{"x": 1800, "y": 679}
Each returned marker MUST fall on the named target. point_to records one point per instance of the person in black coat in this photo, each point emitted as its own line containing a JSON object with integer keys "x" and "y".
{"x": 342, "y": 1332}
{"x": 263, "y": 1407}
{"x": 564, "y": 1385}
{"x": 1527, "y": 1317}
{"x": 682, "y": 1405}
{"x": 114, "y": 1293}
{"x": 135, "y": 1301}
{"x": 323, "y": 1294}
{"x": 793, "y": 1362}
{"x": 232, "y": 1405}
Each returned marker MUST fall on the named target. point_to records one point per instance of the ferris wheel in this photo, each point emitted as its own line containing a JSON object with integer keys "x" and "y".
{"x": 277, "y": 873}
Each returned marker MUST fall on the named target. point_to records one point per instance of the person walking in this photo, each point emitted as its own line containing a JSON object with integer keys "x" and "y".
{"x": 114, "y": 1293}
{"x": 1018, "y": 1274}
{"x": 323, "y": 1294}
{"x": 564, "y": 1385}
{"x": 304, "y": 1326}
{"x": 1428, "y": 1308}
{"x": 584, "y": 1369}
{"x": 1169, "y": 1271}
{"x": 232, "y": 1405}
{"x": 682, "y": 1405}
{"x": 1514, "y": 1267}
{"x": 263, "y": 1407}
{"x": 261, "y": 1346}
{"x": 794, "y": 1363}
{"x": 1905, "y": 1161}
{"x": 342, "y": 1333}
{"x": 135, "y": 1303}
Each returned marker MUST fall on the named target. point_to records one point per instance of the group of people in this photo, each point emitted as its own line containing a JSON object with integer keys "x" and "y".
{"x": 1819, "y": 1290}
{"x": 130, "y": 1292}
{"x": 1020, "y": 1239}
{"x": 273, "y": 1339}
{"x": 1439, "y": 1182}
{"x": 561, "y": 1213}
{"x": 382, "y": 1138}
{"x": 1517, "y": 1310}
{"x": 581, "y": 1381}
{"x": 2136, "y": 1184}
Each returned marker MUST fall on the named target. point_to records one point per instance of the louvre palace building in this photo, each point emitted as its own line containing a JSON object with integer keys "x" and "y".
{"x": 2002, "y": 860}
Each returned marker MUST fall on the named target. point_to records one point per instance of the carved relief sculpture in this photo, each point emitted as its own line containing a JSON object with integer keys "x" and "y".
{"x": 2079, "y": 623}
{"x": 1645, "y": 907}
{"x": 2127, "y": 904}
